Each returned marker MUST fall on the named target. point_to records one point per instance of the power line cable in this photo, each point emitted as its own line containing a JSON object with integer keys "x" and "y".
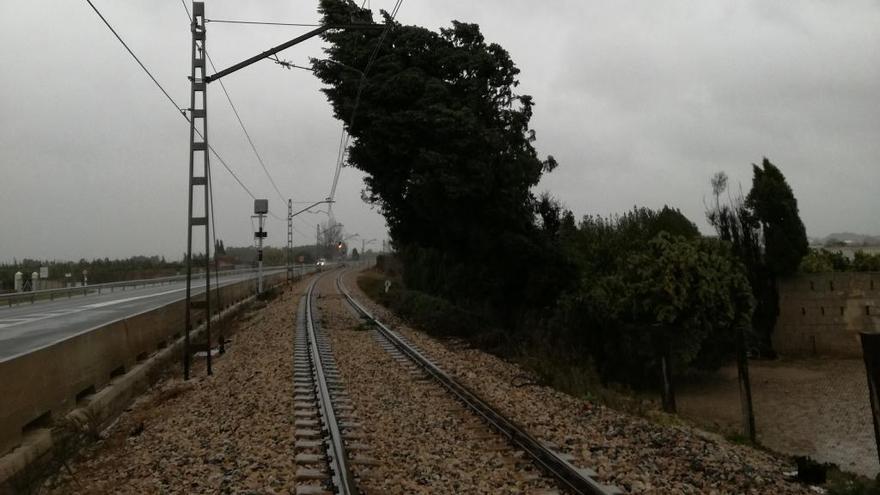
{"x": 344, "y": 140}
{"x": 226, "y": 166}
{"x": 298, "y": 231}
{"x": 177, "y": 107}
{"x": 289, "y": 65}
{"x": 246, "y": 133}
{"x": 303, "y": 220}
{"x": 238, "y": 117}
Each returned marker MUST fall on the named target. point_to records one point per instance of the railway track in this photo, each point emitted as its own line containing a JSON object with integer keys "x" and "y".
{"x": 324, "y": 419}
{"x": 570, "y": 478}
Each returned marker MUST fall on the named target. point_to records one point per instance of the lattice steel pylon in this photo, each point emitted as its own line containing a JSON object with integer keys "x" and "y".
{"x": 289, "y": 240}
{"x": 199, "y": 173}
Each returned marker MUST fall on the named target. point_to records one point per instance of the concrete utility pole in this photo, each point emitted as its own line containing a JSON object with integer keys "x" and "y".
{"x": 199, "y": 155}
{"x": 289, "y": 240}
{"x": 364, "y": 243}
{"x": 317, "y": 241}
{"x": 199, "y": 173}
{"x": 261, "y": 208}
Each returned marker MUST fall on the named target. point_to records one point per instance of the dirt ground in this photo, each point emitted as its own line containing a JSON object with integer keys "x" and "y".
{"x": 816, "y": 407}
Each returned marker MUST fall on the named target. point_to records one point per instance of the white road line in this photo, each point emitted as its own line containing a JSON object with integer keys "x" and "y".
{"x": 42, "y": 316}
{"x": 129, "y": 299}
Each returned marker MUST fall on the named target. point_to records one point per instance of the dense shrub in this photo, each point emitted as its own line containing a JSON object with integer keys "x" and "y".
{"x": 823, "y": 260}
{"x": 430, "y": 313}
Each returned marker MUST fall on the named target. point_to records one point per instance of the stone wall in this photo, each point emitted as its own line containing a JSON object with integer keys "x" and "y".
{"x": 823, "y": 313}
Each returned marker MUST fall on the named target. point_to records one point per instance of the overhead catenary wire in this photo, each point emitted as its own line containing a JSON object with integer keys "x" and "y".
{"x": 246, "y": 133}
{"x": 296, "y": 219}
{"x": 238, "y": 117}
{"x": 177, "y": 107}
{"x": 289, "y": 65}
{"x": 182, "y": 112}
{"x": 112, "y": 30}
{"x": 344, "y": 139}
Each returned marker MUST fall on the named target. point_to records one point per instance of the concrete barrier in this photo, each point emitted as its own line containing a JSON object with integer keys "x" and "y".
{"x": 40, "y": 388}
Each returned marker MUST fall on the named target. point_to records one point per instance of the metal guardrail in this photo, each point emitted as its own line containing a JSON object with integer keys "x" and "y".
{"x": 577, "y": 480}
{"x": 51, "y": 294}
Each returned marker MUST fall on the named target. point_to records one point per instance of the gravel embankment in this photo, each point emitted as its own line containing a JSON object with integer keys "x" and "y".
{"x": 633, "y": 453}
{"x": 424, "y": 441}
{"x": 230, "y": 433}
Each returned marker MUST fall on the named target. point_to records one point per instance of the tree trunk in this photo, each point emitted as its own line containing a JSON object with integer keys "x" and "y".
{"x": 668, "y": 389}
{"x": 871, "y": 352}
{"x": 745, "y": 386}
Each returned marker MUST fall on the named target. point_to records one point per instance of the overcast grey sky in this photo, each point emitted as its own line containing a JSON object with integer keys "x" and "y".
{"x": 640, "y": 102}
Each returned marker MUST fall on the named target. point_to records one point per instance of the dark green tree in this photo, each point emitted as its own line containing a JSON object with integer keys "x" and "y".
{"x": 767, "y": 234}
{"x": 683, "y": 299}
{"x": 445, "y": 142}
{"x": 650, "y": 287}
{"x": 823, "y": 260}
{"x": 776, "y": 210}
{"x": 866, "y": 262}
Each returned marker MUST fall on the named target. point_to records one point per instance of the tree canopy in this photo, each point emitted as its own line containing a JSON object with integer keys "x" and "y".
{"x": 765, "y": 231}
{"x": 775, "y": 208}
{"x": 443, "y": 136}
{"x": 437, "y": 126}
{"x": 649, "y": 281}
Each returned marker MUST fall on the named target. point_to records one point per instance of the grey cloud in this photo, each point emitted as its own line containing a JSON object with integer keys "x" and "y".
{"x": 639, "y": 101}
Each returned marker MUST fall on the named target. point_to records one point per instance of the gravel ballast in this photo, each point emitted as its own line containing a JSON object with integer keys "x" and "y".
{"x": 234, "y": 432}
{"x": 229, "y": 433}
{"x": 630, "y": 452}
{"x": 422, "y": 439}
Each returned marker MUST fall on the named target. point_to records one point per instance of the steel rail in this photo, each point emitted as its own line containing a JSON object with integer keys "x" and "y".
{"x": 572, "y": 478}
{"x": 338, "y": 460}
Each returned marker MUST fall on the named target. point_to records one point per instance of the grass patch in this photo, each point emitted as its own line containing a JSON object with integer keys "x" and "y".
{"x": 436, "y": 316}
{"x": 738, "y": 438}
{"x": 842, "y": 483}
{"x": 546, "y": 364}
{"x": 269, "y": 294}
{"x": 440, "y": 318}
{"x": 578, "y": 378}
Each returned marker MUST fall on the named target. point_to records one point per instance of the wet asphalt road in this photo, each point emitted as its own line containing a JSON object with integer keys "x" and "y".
{"x": 29, "y": 327}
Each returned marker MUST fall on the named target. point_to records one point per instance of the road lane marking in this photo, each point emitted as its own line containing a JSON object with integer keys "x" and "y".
{"x": 41, "y": 317}
{"x": 54, "y": 314}
{"x": 30, "y": 318}
{"x": 129, "y": 299}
